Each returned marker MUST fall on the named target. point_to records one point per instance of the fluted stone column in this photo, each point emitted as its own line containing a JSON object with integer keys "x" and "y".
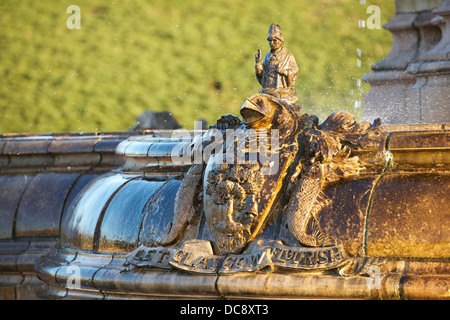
{"x": 396, "y": 96}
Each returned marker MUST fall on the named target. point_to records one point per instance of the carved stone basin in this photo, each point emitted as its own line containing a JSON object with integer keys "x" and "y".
{"x": 112, "y": 233}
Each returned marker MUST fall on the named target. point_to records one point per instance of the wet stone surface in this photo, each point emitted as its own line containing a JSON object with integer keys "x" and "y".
{"x": 42, "y": 203}
{"x": 410, "y": 216}
{"x": 120, "y": 227}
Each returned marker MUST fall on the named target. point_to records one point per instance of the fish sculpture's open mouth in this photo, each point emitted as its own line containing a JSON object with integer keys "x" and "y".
{"x": 257, "y": 114}
{"x": 251, "y": 116}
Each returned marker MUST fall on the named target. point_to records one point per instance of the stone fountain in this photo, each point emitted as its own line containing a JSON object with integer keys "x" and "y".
{"x": 271, "y": 204}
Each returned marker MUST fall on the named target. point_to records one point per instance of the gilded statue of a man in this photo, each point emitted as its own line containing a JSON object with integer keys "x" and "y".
{"x": 278, "y": 72}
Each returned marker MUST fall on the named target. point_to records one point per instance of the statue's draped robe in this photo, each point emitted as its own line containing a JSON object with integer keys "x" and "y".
{"x": 269, "y": 78}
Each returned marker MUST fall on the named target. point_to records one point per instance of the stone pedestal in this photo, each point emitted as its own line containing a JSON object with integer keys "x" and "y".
{"x": 389, "y": 80}
{"x": 430, "y": 95}
{"x": 411, "y": 85}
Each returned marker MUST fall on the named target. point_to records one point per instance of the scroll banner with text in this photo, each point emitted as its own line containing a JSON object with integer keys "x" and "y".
{"x": 197, "y": 257}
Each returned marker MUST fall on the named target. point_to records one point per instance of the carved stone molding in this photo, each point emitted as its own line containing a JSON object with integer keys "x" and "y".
{"x": 411, "y": 84}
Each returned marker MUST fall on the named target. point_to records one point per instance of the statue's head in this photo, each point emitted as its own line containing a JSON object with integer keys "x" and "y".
{"x": 233, "y": 197}
{"x": 275, "y": 38}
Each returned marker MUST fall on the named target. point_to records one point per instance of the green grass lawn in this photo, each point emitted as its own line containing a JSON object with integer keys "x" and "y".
{"x": 192, "y": 58}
